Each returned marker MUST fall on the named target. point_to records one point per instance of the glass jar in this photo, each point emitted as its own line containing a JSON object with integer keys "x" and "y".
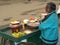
{"x": 15, "y": 26}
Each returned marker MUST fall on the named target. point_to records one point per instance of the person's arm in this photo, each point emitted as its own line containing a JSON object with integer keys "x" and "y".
{"x": 46, "y": 23}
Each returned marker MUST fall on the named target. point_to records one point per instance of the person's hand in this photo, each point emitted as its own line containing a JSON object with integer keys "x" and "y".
{"x": 23, "y": 25}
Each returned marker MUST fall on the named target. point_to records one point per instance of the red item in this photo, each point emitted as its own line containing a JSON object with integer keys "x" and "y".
{"x": 15, "y": 28}
{"x": 31, "y": 18}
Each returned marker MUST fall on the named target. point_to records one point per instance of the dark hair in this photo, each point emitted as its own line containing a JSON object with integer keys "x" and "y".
{"x": 52, "y": 5}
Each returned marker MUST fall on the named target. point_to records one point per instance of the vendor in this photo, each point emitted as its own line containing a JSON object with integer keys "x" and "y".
{"x": 49, "y": 26}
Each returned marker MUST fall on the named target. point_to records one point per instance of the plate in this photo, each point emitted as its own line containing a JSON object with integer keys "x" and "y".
{"x": 33, "y": 24}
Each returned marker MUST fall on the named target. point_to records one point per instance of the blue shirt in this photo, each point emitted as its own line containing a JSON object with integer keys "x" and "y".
{"x": 49, "y": 29}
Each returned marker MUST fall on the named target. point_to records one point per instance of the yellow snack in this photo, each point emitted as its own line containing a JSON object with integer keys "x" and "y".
{"x": 16, "y": 35}
{"x": 17, "y": 30}
{"x": 14, "y": 22}
{"x": 21, "y": 34}
{"x": 31, "y": 20}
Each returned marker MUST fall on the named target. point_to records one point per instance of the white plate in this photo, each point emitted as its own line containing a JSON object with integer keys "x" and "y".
{"x": 25, "y": 20}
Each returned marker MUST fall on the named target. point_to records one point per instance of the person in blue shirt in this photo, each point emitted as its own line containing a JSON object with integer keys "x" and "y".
{"x": 49, "y": 26}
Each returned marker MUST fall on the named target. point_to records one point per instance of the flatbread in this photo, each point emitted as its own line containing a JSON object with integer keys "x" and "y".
{"x": 27, "y": 31}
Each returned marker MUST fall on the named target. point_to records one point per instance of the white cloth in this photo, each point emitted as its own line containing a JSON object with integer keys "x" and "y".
{"x": 16, "y": 43}
{"x": 58, "y": 11}
{"x": 25, "y": 40}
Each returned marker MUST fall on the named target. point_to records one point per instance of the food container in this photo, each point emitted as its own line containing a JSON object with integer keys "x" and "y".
{"x": 15, "y": 26}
